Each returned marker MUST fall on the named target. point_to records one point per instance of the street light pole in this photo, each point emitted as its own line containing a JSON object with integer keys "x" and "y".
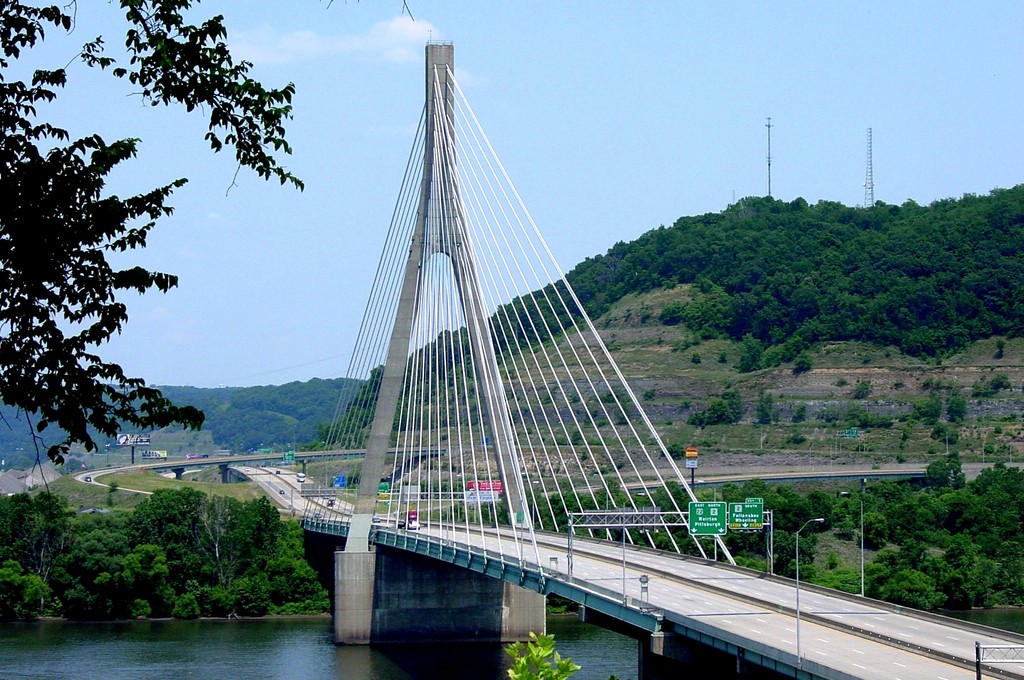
{"x": 817, "y": 520}
{"x": 863, "y": 484}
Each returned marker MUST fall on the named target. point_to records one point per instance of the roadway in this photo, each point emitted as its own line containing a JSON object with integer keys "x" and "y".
{"x": 280, "y": 484}
{"x": 839, "y": 635}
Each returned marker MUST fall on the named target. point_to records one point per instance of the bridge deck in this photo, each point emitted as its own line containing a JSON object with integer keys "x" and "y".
{"x": 841, "y": 636}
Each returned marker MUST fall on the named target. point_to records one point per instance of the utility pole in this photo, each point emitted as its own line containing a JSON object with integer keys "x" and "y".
{"x": 769, "y": 126}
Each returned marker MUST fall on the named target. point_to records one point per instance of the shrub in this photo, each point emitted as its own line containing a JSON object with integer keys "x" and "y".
{"x": 186, "y": 607}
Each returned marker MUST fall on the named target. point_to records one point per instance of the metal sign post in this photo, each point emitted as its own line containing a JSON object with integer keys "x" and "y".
{"x": 691, "y": 462}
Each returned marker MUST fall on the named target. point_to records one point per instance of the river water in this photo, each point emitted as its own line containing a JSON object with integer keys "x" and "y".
{"x": 281, "y": 649}
{"x": 276, "y": 649}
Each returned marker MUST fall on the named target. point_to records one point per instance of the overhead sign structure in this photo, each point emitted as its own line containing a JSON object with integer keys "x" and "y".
{"x": 133, "y": 439}
{"x": 747, "y": 515}
{"x": 708, "y": 518}
{"x": 288, "y": 457}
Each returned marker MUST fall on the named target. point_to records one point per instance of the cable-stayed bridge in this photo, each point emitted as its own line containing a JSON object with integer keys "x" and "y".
{"x": 497, "y": 427}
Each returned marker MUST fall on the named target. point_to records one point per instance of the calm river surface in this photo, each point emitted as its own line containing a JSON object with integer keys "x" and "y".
{"x": 276, "y": 649}
{"x": 282, "y": 649}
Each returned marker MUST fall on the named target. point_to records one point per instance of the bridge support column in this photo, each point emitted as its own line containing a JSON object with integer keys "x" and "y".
{"x": 393, "y": 596}
{"x": 179, "y": 472}
{"x": 225, "y": 477}
{"x": 354, "y": 576}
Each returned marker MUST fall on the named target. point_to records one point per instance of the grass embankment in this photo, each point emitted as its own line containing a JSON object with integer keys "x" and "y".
{"x": 81, "y": 495}
{"x": 151, "y": 481}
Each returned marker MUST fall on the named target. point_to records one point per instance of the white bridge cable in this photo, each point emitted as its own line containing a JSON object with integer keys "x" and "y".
{"x": 511, "y": 366}
{"x": 600, "y": 345}
{"x": 543, "y": 285}
{"x": 504, "y": 317}
{"x": 378, "y": 317}
{"x": 488, "y": 393}
{"x": 507, "y": 379}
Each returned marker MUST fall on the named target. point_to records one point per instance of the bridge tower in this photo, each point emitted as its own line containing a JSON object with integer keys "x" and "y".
{"x": 366, "y": 578}
{"x": 440, "y": 228}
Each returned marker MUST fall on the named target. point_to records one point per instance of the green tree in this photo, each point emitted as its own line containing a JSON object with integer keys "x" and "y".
{"x": 802, "y": 363}
{"x": 947, "y": 472}
{"x": 186, "y": 607}
{"x": 862, "y": 389}
{"x": 58, "y": 224}
{"x": 672, "y": 313}
{"x": 170, "y": 518}
{"x": 21, "y": 595}
{"x": 912, "y": 588}
{"x": 956, "y": 408}
{"x": 751, "y": 351}
{"x": 766, "y": 412}
{"x": 538, "y": 660}
{"x": 251, "y": 595}
{"x": 38, "y": 533}
{"x": 145, "y": 574}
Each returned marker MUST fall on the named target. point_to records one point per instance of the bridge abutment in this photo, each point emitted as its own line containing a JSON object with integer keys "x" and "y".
{"x": 392, "y": 596}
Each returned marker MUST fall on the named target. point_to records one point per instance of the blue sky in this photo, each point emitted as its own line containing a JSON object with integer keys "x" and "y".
{"x": 612, "y": 119}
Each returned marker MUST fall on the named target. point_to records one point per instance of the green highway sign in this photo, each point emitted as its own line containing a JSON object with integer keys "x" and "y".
{"x": 852, "y": 433}
{"x": 747, "y": 515}
{"x": 289, "y": 457}
{"x": 707, "y": 519}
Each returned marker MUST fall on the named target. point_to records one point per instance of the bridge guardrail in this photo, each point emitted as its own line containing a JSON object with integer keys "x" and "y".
{"x": 828, "y": 622}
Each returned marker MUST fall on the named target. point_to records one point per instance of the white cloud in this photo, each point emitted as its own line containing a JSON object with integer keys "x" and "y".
{"x": 398, "y": 40}
{"x": 467, "y": 80}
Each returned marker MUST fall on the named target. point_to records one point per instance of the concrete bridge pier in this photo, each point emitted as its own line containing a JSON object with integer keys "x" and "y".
{"x": 666, "y": 656}
{"x": 179, "y": 472}
{"x": 392, "y": 596}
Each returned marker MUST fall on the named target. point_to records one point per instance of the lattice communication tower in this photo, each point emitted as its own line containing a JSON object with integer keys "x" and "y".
{"x": 869, "y": 179}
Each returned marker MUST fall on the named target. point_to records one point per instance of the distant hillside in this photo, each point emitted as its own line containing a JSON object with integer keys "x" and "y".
{"x": 767, "y": 328}
{"x": 788, "y": 276}
{"x": 245, "y": 418}
{"x": 237, "y": 418}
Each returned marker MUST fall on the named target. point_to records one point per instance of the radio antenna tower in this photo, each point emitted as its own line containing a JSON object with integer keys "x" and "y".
{"x": 869, "y": 179}
{"x": 769, "y": 126}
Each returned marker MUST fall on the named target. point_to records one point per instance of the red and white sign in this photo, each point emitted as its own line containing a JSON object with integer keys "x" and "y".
{"x": 486, "y": 485}
{"x": 483, "y": 490}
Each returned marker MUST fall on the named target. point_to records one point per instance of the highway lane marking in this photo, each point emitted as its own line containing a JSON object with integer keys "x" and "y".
{"x": 897, "y": 663}
{"x": 856, "y": 651}
{"x": 859, "y": 666}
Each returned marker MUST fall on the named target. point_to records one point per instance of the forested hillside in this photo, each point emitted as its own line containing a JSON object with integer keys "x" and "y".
{"x": 237, "y": 418}
{"x": 925, "y": 279}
